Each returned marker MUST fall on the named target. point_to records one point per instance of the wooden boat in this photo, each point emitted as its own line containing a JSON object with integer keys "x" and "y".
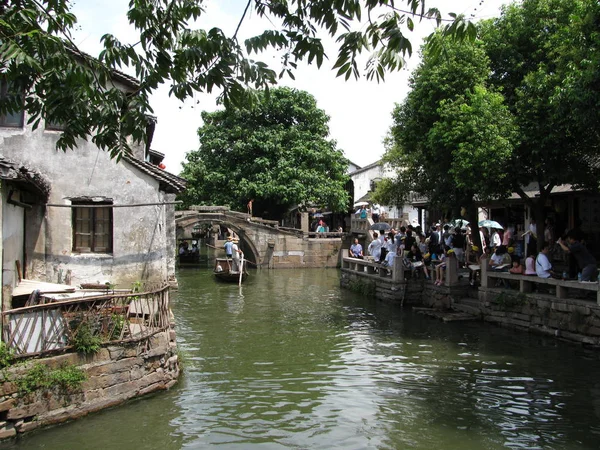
{"x": 189, "y": 258}
{"x": 222, "y": 271}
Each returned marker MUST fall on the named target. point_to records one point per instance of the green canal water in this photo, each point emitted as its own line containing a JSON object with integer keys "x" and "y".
{"x": 291, "y": 361}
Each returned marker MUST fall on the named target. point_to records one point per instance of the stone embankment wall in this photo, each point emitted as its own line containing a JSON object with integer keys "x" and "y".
{"x": 374, "y": 285}
{"x": 570, "y": 319}
{"x": 114, "y": 375}
{"x": 294, "y": 252}
{"x": 575, "y": 320}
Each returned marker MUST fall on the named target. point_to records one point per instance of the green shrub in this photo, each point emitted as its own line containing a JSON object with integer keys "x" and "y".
{"x": 85, "y": 340}
{"x": 117, "y": 322}
{"x": 7, "y": 356}
{"x": 41, "y": 377}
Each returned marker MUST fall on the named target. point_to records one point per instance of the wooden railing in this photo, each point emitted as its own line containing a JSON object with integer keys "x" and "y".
{"x": 397, "y": 272}
{"x": 527, "y": 282}
{"x": 43, "y": 328}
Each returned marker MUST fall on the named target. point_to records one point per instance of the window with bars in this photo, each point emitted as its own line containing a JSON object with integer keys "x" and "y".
{"x": 14, "y": 119}
{"x": 92, "y": 227}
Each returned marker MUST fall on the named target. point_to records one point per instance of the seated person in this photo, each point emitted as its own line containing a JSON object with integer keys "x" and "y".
{"x": 356, "y": 250}
{"x": 543, "y": 267}
{"x": 500, "y": 260}
{"x": 516, "y": 268}
{"x": 416, "y": 260}
{"x": 389, "y": 259}
{"x": 530, "y": 263}
{"x": 439, "y": 267}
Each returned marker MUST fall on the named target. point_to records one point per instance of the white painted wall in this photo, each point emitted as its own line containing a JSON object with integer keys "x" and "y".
{"x": 142, "y": 250}
{"x": 13, "y": 239}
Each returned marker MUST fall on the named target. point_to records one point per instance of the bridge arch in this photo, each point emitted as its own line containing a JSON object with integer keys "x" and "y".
{"x": 262, "y": 241}
{"x": 247, "y": 245}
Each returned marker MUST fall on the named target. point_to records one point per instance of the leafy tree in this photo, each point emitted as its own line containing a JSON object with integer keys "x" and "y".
{"x": 451, "y": 136}
{"x": 544, "y": 55}
{"x": 275, "y": 152}
{"x": 58, "y": 82}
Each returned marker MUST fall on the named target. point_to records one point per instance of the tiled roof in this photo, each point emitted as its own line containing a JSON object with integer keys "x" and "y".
{"x": 365, "y": 168}
{"x": 168, "y": 182}
{"x": 29, "y": 179}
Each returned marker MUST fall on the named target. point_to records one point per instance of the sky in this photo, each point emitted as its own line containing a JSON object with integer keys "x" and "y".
{"x": 359, "y": 110}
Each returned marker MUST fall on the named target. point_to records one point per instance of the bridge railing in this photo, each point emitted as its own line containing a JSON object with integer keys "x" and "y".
{"x": 326, "y": 235}
{"x": 361, "y": 225}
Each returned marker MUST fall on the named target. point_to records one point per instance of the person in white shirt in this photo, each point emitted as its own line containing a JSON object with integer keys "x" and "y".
{"x": 375, "y": 212}
{"x": 543, "y": 267}
{"x": 495, "y": 239}
{"x": 375, "y": 247}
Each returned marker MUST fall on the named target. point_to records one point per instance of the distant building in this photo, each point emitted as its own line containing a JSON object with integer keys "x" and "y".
{"x": 364, "y": 182}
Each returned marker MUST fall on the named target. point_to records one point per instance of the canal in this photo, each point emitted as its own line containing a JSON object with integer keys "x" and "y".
{"x": 289, "y": 361}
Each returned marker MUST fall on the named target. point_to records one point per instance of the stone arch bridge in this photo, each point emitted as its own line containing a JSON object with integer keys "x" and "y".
{"x": 262, "y": 241}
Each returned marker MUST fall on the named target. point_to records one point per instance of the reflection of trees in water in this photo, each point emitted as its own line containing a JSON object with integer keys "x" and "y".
{"x": 267, "y": 357}
{"x": 487, "y": 390}
{"x": 296, "y": 361}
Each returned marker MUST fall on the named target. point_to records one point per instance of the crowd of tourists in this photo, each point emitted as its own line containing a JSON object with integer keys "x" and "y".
{"x": 426, "y": 251}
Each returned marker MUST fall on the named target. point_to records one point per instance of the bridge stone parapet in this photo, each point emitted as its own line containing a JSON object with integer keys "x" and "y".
{"x": 262, "y": 241}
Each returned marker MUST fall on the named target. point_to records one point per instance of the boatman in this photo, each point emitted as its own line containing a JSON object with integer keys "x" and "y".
{"x": 235, "y": 255}
{"x": 227, "y": 246}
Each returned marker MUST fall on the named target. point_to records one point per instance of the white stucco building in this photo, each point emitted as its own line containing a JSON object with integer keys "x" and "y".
{"x": 79, "y": 216}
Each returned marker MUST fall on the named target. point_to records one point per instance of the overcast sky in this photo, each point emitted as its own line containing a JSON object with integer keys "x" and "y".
{"x": 360, "y": 111}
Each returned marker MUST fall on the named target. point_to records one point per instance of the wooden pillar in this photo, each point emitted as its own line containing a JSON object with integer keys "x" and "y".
{"x": 451, "y": 270}
{"x": 304, "y": 222}
{"x": 525, "y": 286}
{"x": 398, "y": 270}
{"x": 484, "y": 271}
{"x": 561, "y": 291}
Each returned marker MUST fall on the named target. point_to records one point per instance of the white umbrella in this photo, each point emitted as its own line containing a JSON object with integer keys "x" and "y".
{"x": 361, "y": 204}
{"x": 490, "y": 224}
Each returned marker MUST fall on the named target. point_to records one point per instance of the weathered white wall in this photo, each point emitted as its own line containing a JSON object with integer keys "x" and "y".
{"x": 141, "y": 248}
{"x": 13, "y": 238}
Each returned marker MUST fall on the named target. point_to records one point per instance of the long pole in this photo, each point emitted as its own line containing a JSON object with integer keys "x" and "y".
{"x": 241, "y": 269}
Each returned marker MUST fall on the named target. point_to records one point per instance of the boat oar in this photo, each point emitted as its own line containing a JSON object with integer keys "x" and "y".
{"x": 241, "y": 269}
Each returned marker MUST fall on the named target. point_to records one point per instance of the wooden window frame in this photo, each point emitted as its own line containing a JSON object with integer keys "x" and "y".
{"x": 4, "y": 86}
{"x": 97, "y": 241}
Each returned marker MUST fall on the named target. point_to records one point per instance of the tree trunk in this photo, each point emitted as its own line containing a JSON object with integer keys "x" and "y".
{"x": 538, "y": 212}
{"x": 473, "y": 218}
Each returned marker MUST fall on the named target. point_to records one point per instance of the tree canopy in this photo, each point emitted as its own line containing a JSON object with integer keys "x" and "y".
{"x": 519, "y": 105}
{"x": 58, "y": 82}
{"x": 451, "y": 136}
{"x": 275, "y": 151}
{"x": 544, "y": 56}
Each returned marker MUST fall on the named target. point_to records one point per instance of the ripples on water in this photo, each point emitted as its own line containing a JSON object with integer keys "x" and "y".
{"x": 290, "y": 361}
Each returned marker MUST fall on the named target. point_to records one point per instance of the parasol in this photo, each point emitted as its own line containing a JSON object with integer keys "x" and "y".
{"x": 490, "y": 224}
{"x": 380, "y": 226}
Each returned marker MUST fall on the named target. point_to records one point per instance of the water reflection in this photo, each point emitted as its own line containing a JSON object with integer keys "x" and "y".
{"x": 290, "y": 361}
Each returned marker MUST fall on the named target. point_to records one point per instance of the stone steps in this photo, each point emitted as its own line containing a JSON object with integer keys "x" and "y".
{"x": 467, "y": 305}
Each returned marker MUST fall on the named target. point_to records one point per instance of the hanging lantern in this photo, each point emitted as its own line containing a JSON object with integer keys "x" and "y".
{"x": 162, "y": 166}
